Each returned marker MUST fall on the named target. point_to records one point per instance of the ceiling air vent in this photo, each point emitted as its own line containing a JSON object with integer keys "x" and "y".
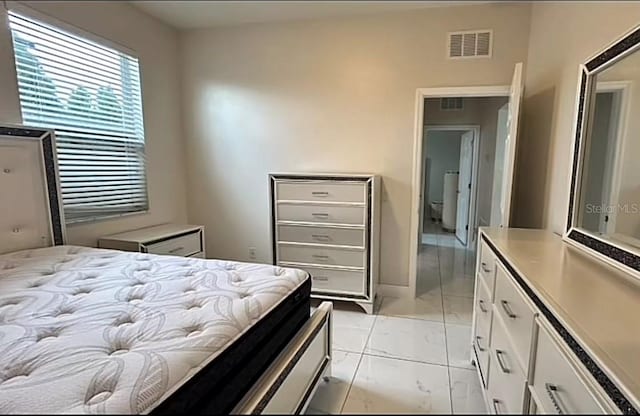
{"x": 451, "y": 103}
{"x": 470, "y": 44}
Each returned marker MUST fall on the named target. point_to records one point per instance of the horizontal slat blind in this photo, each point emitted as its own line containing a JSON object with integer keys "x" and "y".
{"x": 90, "y": 94}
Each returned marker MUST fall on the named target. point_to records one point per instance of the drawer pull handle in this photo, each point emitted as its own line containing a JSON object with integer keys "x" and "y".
{"x": 478, "y": 338}
{"x": 320, "y": 237}
{"x": 320, "y": 193}
{"x": 481, "y": 305}
{"x": 496, "y": 402}
{"x": 485, "y": 268}
{"x": 552, "y": 391}
{"x": 320, "y": 215}
{"x": 507, "y": 309}
{"x": 320, "y": 256}
{"x": 503, "y": 367}
{"x": 175, "y": 250}
{"x": 321, "y": 278}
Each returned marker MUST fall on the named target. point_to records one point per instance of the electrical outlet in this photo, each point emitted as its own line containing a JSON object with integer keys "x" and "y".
{"x": 252, "y": 253}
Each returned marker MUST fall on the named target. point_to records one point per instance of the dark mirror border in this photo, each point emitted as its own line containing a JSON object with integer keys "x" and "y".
{"x": 605, "y": 58}
{"x": 613, "y": 52}
{"x": 625, "y": 257}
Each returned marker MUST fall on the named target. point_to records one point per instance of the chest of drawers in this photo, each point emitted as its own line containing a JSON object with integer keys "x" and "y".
{"x": 528, "y": 361}
{"x": 328, "y": 225}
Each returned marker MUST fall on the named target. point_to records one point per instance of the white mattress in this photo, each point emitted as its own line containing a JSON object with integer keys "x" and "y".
{"x": 86, "y": 330}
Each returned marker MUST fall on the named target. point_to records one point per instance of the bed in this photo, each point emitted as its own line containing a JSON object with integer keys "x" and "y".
{"x": 86, "y": 330}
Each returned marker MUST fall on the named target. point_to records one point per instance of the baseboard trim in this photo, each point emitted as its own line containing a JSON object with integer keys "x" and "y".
{"x": 394, "y": 291}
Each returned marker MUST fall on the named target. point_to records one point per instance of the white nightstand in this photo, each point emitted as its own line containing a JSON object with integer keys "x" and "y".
{"x": 167, "y": 239}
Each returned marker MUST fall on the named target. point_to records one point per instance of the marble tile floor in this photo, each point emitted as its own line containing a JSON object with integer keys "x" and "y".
{"x": 413, "y": 355}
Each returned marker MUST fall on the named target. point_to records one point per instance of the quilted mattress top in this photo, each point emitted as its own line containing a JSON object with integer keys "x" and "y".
{"x": 86, "y": 330}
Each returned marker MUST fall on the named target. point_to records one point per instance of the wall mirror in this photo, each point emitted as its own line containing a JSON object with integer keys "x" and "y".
{"x": 604, "y": 204}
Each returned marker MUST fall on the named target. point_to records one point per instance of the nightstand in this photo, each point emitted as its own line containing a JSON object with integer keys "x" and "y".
{"x": 167, "y": 239}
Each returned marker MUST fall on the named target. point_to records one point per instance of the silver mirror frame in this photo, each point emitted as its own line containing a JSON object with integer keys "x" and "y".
{"x": 615, "y": 254}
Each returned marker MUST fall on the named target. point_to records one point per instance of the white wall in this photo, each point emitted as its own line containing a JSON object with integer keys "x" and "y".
{"x": 562, "y": 36}
{"x": 157, "y": 47}
{"x": 9, "y": 105}
{"x": 333, "y": 95}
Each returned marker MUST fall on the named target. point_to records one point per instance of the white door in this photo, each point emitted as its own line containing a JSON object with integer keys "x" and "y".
{"x": 502, "y": 134}
{"x": 515, "y": 99}
{"x": 464, "y": 187}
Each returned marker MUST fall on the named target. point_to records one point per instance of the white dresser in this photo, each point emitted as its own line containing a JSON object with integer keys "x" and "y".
{"x": 554, "y": 330}
{"x": 167, "y": 239}
{"x": 328, "y": 225}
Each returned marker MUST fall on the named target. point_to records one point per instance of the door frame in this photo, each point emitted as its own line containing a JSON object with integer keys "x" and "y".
{"x": 421, "y": 94}
{"x": 475, "y": 166}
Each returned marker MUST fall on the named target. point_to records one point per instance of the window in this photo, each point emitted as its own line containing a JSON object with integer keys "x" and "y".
{"x": 90, "y": 95}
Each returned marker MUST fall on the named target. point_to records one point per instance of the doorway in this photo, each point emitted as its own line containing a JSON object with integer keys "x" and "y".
{"x": 601, "y": 174}
{"x": 461, "y": 192}
{"x": 449, "y": 185}
{"x": 492, "y": 195}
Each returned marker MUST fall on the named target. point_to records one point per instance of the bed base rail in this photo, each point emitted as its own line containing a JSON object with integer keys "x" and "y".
{"x": 290, "y": 381}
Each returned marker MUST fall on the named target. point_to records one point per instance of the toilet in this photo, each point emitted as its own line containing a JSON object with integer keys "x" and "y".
{"x": 436, "y": 211}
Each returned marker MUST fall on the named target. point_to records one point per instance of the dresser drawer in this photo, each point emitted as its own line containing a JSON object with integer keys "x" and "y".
{"x": 557, "y": 385}
{"x": 338, "y": 281}
{"x": 321, "y": 255}
{"x": 321, "y": 214}
{"x": 516, "y": 312}
{"x": 481, "y": 342}
{"x": 185, "y": 245}
{"x": 507, "y": 383}
{"x": 487, "y": 266}
{"x": 483, "y": 306}
{"x": 321, "y": 191}
{"x": 321, "y": 235}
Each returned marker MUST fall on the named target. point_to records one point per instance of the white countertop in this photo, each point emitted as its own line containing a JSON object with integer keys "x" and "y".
{"x": 597, "y": 303}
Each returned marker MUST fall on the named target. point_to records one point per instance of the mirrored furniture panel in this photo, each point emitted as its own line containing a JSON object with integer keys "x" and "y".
{"x": 604, "y": 203}
{"x": 31, "y": 213}
{"x": 553, "y": 327}
{"x": 329, "y": 226}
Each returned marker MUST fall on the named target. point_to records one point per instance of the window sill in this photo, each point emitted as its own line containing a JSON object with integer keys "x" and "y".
{"x": 104, "y": 218}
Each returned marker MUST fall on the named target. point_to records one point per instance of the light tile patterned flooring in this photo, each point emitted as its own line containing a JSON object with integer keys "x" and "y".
{"x": 413, "y": 356}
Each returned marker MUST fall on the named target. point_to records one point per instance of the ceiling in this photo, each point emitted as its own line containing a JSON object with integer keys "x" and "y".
{"x": 205, "y": 14}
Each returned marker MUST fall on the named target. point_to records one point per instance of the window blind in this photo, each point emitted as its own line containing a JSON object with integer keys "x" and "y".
{"x": 90, "y": 94}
